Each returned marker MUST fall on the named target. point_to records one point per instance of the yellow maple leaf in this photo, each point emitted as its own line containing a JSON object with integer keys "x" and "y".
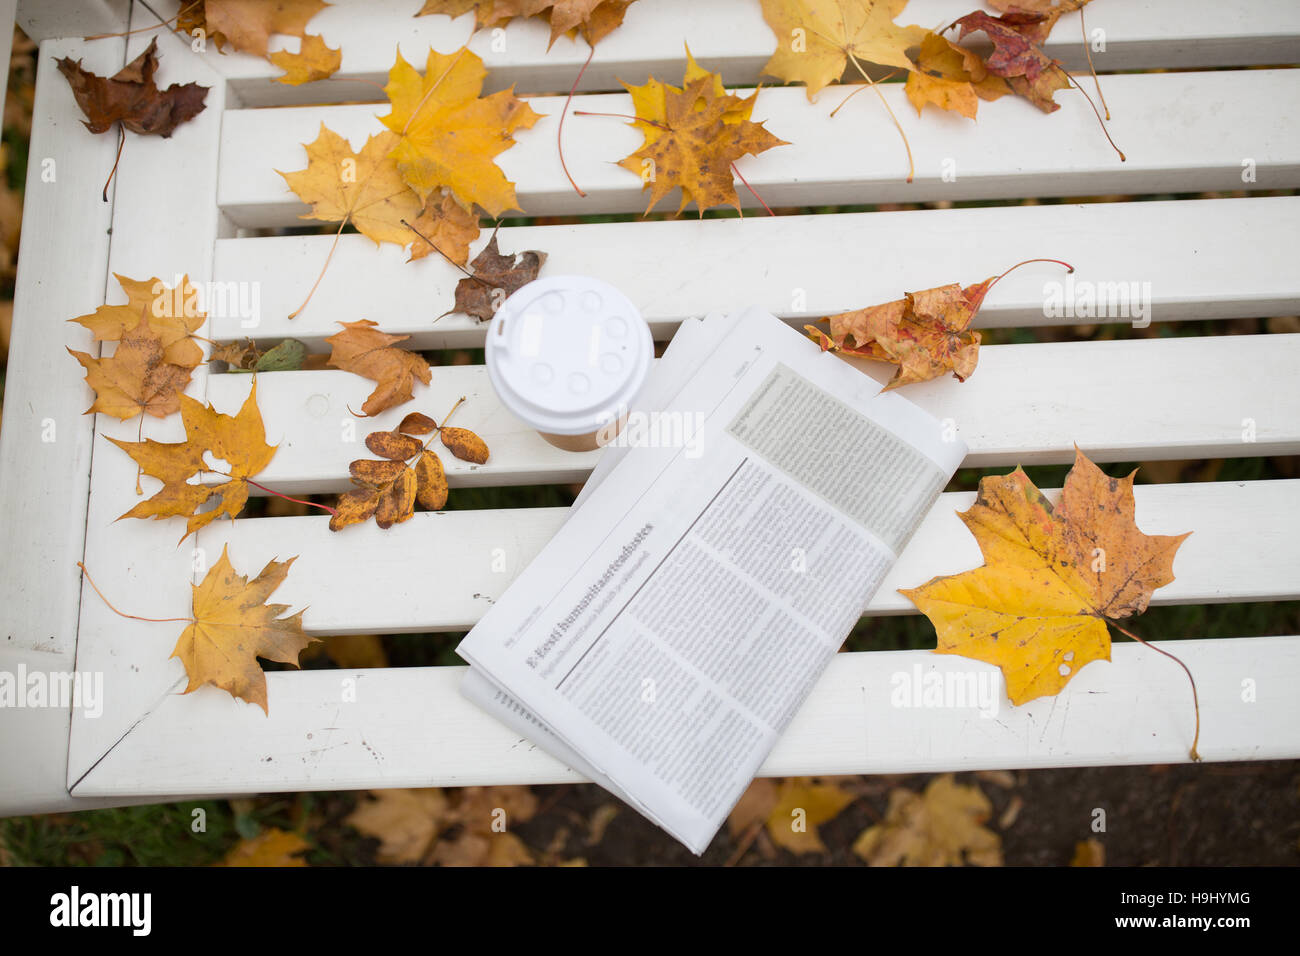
{"x": 233, "y": 626}
{"x": 817, "y": 39}
{"x": 313, "y": 61}
{"x": 943, "y": 827}
{"x": 1052, "y": 578}
{"x": 449, "y": 135}
{"x": 693, "y": 135}
{"x": 362, "y": 188}
{"x": 239, "y": 440}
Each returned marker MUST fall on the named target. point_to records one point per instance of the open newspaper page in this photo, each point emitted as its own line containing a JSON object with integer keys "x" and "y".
{"x": 666, "y": 635}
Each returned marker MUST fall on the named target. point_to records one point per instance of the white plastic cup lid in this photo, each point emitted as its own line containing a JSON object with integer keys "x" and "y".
{"x": 568, "y": 354}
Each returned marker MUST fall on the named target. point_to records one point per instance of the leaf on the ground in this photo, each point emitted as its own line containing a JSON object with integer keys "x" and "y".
{"x": 1089, "y": 852}
{"x": 1052, "y": 578}
{"x": 356, "y": 650}
{"x": 136, "y": 378}
{"x": 470, "y": 829}
{"x": 926, "y": 334}
{"x": 362, "y": 188}
{"x": 172, "y": 312}
{"x": 131, "y": 97}
{"x": 942, "y": 827}
{"x": 273, "y": 847}
{"x": 444, "y": 226}
{"x": 449, "y": 136}
{"x": 405, "y": 821}
{"x": 247, "y": 25}
{"x": 495, "y": 277}
{"x": 952, "y": 78}
{"x": 1017, "y": 57}
{"x": 791, "y": 809}
{"x": 239, "y": 440}
{"x": 817, "y": 39}
{"x": 313, "y": 61}
{"x": 485, "y": 816}
{"x": 693, "y": 135}
{"x": 233, "y": 626}
{"x": 364, "y": 350}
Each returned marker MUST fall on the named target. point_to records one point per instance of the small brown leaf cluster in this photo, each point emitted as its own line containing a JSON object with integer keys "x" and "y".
{"x": 407, "y": 471}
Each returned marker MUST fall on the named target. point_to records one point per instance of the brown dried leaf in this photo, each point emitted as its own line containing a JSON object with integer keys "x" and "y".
{"x": 131, "y": 98}
{"x": 495, "y": 278}
{"x": 464, "y": 444}
{"x": 431, "y": 482}
{"x": 362, "y": 349}
{"x": 393, "y": 446}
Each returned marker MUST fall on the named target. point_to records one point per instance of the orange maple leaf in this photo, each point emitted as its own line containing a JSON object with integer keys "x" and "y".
{"x": 136, "y": 378}
{"x": 693, "y": 135}
{"x": 363, "y": 350}
{"x": 925, "y": 334}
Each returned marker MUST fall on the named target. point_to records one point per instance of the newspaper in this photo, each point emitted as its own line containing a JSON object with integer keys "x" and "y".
{"x": 717, "y": 558}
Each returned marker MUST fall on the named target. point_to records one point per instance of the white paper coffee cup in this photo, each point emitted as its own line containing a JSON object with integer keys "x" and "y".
{"x": 567, "y": 355}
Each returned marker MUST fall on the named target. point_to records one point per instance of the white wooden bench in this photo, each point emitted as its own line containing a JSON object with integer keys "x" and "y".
{"x": 190, "y": 204}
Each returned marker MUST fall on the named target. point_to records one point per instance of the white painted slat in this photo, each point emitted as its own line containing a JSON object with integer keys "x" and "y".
{"x": 141, "y": 571}
{"x": 48, "y": 19}
{"x": 1211, "y": 258}
{"x": 1119, "y": 400}
{"x": 732, "y": 38}
{"x": 1183, "y": 132}
{"x": 411, "y": 728}
{"x": 45, "y": 479}
{"x": 441, "y": 571}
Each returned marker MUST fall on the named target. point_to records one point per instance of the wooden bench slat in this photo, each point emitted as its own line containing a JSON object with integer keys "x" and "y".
{"x": 410, "y": 727}
{"x": 1120, "y": 400}
{"x": 734, "y": 39}
{"x": 439, "y": 569}
{"x": 1211, "y": 258}
{"x": 1185, "y": 132}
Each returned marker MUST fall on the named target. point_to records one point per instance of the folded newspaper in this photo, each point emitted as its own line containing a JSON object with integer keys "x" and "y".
{"x": 722, "y": 550}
